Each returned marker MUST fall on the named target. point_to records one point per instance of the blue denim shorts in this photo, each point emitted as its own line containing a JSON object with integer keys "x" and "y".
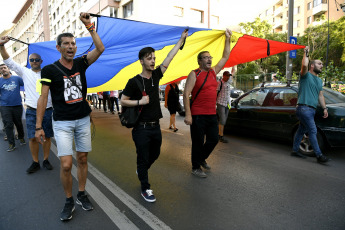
{"x": 30, "y": 116}
{"x": 66, "y": 131}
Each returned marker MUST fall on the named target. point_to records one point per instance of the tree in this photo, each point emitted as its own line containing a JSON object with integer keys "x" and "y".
{"x": 257, "y": 28}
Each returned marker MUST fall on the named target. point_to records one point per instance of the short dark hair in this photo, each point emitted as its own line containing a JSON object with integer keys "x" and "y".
{"x": 2, "y": 64}
{"x": 59, "y": 38}
{"x": 312, "y": 62}
{"x": 201, "y": 53}
{"x": 226, "y": 73}
{"x": 144, "y": 52}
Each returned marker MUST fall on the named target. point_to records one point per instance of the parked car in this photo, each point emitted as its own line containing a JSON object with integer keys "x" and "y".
{"x": 270, "y": 111}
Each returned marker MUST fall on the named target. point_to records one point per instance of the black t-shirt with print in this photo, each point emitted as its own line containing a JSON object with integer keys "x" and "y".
{"x": 68, "y": 101}
{"x": 151, "y": 111}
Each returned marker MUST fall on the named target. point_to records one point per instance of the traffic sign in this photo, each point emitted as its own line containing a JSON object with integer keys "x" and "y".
{"x": 293, "y": 53}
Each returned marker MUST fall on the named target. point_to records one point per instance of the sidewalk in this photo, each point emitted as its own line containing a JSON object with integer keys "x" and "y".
{"x": 34, "y": 201}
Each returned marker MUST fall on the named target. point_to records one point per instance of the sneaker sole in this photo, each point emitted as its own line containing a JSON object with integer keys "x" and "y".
{"x": 10, "y": 150}
{"x": 78, "y": 202}
{"x": 198, "y": 175}
{"x": 151, "y": 201}
{"x": 69, "y": 217}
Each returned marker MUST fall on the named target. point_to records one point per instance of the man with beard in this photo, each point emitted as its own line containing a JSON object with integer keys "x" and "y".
{"x": 30, "y": 78}
{"x": 309, "y": 94}
{"x": 66, "y": 81}
{"x": 11, "y": 105}
{"x": 201, "y": 114}
{"x": 147, "y": 134}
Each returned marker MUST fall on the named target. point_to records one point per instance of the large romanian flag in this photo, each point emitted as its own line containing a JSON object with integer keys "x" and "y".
{"x": 124, "y": 38}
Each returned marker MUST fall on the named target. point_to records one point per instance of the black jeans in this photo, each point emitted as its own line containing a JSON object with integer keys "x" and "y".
{"x": 106, "y": 99}
{"x": 148, "y": 141}
{"x": 112, "y": 100}
{"x": 203, "y": 125}
{"x": 12, "y": 115}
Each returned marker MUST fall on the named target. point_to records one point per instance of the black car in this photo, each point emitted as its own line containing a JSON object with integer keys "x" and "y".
{"x": 270, "y": 111}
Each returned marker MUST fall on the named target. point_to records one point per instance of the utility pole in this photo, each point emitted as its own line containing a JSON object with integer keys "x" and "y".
{"x": 290, "y": 33}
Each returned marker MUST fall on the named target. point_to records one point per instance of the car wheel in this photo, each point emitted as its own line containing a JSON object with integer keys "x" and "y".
{"x": 305, "y": 146}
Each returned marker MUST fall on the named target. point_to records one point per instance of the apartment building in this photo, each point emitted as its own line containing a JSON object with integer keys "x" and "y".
{"x": 306, "y": 13}
{"x": 44, "y": 20}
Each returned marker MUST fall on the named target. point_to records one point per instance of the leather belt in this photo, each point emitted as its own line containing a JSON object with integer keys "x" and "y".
{"x": 29, "y": 107}
{"x": 306, "y": 105}
{"x": 149, "y": 123}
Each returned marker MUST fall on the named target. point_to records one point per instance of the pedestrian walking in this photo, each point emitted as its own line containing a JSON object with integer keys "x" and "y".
{"x": 309, "y": 95}
{"x": 66, "y": 79}
{"x": 106, "y": 101}
{"x": 30, "y": 78}
{"x": 11, "y": 105}
{"x": 172, "y": 94}
{"x": 223, "y": 103}
{"x": 201, "y": 112}
{"x": 147, "y": 134}
{"x": 114, "y": 95}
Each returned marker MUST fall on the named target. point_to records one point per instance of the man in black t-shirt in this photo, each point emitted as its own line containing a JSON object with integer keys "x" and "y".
{"x": 71, "y": 116}
{"x": 147, "y": 134}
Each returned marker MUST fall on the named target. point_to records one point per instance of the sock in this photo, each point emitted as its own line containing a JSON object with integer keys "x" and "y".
{"x": 70, "y": 200}
{"x": 81, "y": 193}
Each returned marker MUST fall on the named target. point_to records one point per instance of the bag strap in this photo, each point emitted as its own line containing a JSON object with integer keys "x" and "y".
{"x": 199, "y": 89}
{"x": 140, "y": 86}
{"x": 220, "y": 88}
{"x": 68, "y": 77}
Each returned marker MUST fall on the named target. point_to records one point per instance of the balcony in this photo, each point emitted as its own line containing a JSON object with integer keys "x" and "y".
{"x": 277, "y": 24}
{"x": 278, "y": 12}
{"x": 320, "y": 9}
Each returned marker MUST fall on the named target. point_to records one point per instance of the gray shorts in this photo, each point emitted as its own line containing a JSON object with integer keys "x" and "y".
{"x": 67, "y": 131}
{"x": 223, "y": 112}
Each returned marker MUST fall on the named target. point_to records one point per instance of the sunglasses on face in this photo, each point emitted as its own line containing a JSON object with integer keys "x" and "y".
{"x": 35, "y": 59}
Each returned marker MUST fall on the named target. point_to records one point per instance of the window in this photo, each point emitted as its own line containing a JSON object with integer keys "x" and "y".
{"x": 178, "y": 11}
{"x": 54, "y": 16}
{"x": 197, "y": 15}
{"x": 308, "y": 20}
{"x": 287, "y": 13}
{"x": 128, "y": 9}
{"x": 255, "y": 98}
{"x": 214, "y": 20}
{"x": 309, "y": 6}
{"x": 283, "y": 97}
{"x": 318, "y": 2}
{"x": 57, "y": 11}
{"x": 113, "y": 12}
{"x": 298, "y": 23}
{"x": 266, "y": 12}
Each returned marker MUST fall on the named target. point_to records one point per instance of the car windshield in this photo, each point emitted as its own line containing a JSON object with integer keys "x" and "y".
{"x": 332, "y": 96}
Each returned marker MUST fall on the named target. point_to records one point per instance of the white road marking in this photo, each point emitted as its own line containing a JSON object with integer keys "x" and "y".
{"x": 117, "y": 217}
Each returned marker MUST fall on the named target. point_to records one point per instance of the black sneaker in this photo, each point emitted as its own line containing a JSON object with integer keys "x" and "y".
{"x": 322, "y": 159}
{"x": 223, "y": 140}
{"x": 298, "y": 154}
{"x": 66, "y": 213}
{"x": 22, "y": 141}
{"x": 148, "y": 195}
{"x": 35, "y": 166}
{"x": 46, "y": 164}
{"x": 205, "y": 165}
{"x": 85, "y": 203}
{"x": 11, "y": 148}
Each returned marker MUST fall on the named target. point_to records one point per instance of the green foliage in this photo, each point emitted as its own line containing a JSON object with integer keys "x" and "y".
{"x": 333, "y": 74}
{"x": 257, "y": 28}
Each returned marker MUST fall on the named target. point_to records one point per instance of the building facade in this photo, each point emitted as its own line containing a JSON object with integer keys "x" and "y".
{"x": 306, "y": 13}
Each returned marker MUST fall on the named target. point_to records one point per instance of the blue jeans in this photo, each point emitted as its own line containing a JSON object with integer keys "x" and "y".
{"x": 203, "y": 125}
{"x": 306, "y": 116}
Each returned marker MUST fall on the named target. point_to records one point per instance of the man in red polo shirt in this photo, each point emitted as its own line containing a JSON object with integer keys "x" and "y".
{"x": 201, "y": 112}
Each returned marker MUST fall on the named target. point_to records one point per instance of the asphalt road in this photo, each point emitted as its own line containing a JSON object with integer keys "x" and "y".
{"x": 254, "y": 183}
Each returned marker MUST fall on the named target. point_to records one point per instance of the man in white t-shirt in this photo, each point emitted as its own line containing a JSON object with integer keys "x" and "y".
{"x": 31, "y": 78}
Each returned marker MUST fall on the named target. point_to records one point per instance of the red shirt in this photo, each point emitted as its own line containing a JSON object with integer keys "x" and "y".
{"x": 205, "y": 103}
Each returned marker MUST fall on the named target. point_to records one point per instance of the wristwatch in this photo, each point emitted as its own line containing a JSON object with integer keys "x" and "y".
{"x": 325, "y": 108}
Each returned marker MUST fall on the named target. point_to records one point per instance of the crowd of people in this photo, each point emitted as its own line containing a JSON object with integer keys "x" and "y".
{"x": 58, "y": 106}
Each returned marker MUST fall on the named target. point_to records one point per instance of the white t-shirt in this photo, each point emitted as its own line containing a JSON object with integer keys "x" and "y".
{"x": 30, "y": 79}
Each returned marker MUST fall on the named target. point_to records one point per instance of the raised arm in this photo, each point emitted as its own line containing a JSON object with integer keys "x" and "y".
{"x": 226, "y": 52}
{"x": 99, "y": 47}
{"x": 190, "y": 83}
{"x": 305, "y": 61}
{"x": 173, "y": 52}
{"x": 4, "y": 54}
